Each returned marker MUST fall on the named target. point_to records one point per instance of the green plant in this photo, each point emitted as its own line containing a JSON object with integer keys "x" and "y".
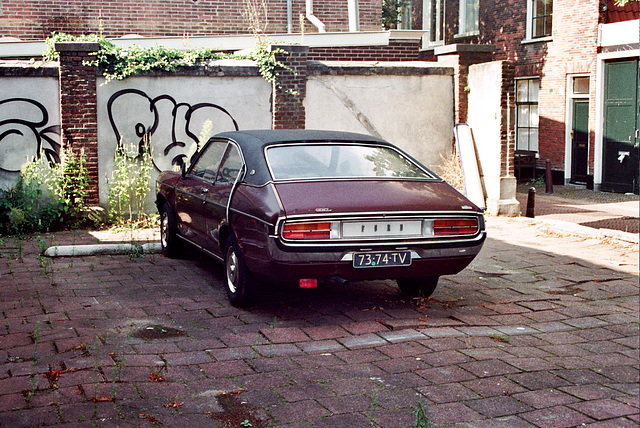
{"x": 136, "y": 252}
{"x": 46, "y": 196}
{"x": 119, "y": 63}
{"x": 499, "y": 337}
{"x": 422, "y": 420}
{"x": 129, "y": 186}
{"x": 392, "y": 12}
{"x": 538, "y": 181}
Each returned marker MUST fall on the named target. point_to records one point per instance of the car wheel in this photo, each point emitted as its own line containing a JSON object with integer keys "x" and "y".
{"x": 237, "y": 278}
{"x": 418, "y": 287}
{"x": 168, "y": 238}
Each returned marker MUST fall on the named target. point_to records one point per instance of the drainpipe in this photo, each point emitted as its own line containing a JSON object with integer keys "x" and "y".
{"x": 354, "y": 18}
{"x": 313, "y": 19}
{"x": 289, "y": 16}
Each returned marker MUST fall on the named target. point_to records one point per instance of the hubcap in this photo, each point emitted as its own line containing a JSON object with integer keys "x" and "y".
{"x": 232, "y": 271}
{"x": 164, "y": 224}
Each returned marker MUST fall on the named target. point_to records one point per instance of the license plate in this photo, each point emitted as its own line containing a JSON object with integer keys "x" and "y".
{"x": 381, "y": 259}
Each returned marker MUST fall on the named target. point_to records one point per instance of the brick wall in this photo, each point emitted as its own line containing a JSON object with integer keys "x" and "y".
{"x": 78, "y": 108}
{"x": 37, "y": 19}
{"x": 289, "y": 93}
{"x": 395, "y": 51}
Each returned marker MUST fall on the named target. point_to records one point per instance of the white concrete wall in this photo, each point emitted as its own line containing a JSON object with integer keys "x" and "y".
{"x": 415, "y": 112}
{"x": 171, "y": 108}
{"x": 486, "y": 117}
{"x": 29, "y": 121}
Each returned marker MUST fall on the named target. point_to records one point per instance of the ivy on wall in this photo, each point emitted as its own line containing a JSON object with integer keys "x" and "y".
{"x": 119, "y": 63}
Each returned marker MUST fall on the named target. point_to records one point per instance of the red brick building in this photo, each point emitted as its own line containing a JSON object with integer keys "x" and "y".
{"x": 576, "y": 77}
{"x": 37, "y": 19}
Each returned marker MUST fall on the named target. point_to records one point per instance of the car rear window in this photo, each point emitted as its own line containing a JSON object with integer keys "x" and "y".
{"x": 334, "y": 160}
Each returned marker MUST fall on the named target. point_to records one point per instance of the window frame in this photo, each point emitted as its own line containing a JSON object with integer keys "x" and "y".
{"x": 433, "y": 10}
{"x": 464, "y": 27}
{"x": 535, "y": 147}
{"x": 531, "y": 17}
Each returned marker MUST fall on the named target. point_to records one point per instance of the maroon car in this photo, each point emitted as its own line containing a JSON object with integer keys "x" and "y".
{"x": 302, "y": 206}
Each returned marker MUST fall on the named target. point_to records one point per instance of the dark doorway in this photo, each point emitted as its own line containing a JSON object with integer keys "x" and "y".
{"x": 621, "y": 139}
{"x": 580, "y": 141}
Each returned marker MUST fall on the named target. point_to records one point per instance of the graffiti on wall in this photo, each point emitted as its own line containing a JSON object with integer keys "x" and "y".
{"x": 25, "y": 134}
{"x": 172, "y": 129}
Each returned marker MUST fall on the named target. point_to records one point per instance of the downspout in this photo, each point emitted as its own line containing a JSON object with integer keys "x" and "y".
{"x": 289, "y": 16}
{"x": 354, "y": 16}
{"x": 313, "y": 19}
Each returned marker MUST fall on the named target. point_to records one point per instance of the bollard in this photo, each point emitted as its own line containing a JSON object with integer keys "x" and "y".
{"x": 548, "y": 178}
{"x": 531, "y": 203}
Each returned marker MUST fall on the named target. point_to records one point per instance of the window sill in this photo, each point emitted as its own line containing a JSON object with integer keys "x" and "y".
{"x": 467, "y": 34}
{"x": 537, "y": 40}
{"x": 426, "y": 46}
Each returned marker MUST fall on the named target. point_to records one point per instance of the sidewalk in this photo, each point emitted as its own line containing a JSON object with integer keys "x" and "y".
{"x": 596, "y": 210}
{"x": 541, "y": 330}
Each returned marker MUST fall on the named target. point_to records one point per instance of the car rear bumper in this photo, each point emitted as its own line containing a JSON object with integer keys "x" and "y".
{"x": 276, "y": 265}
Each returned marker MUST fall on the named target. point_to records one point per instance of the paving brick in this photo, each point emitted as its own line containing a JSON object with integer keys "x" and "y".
{"x": 451, "y": 413}
{"x": 556, "y": 417}
{"x": 291, "y": 412}
{"x": 489, "y": 368}
{"x": 605, "y": 409}
{"x": 446, "y": 393}
{"x": 498, "y": 406}
{"x": 542, "y": 398}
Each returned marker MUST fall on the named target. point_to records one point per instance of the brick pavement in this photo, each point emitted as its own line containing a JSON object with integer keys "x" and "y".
{"x": 540, "y": 331}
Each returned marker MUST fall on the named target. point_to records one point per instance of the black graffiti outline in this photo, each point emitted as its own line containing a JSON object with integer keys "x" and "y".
{"x": 144, "y": 134}
{"x": 51, "y": 153}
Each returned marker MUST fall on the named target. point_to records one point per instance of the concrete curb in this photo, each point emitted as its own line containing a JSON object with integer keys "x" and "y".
{"x": 560, "y": 226}
{"x": 101, "y": 249}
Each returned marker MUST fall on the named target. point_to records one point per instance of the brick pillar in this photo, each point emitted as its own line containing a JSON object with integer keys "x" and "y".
{"x": 460, "y": 57}
{"x": 78, "y": 108}
{"x": 507, "y": 125}
{"x": 289, "y": 92}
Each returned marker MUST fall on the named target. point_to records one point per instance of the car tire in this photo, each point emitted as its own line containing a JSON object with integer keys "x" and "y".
{"x": 238, "y": 281}
{"x": 418, "y": 287}
{"x": 168, "y": 232}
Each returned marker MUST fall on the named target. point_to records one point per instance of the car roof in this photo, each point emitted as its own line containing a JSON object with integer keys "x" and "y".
{"x": 253, "y": 142}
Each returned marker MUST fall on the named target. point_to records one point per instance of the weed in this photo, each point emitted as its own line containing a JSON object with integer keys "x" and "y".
{"x": 422, "y": 420}
{"x": 136, "y": 252}
{"x": 129, "y": 184}
{"x": 33, "y": 381}
{"x": 499, "y": 337}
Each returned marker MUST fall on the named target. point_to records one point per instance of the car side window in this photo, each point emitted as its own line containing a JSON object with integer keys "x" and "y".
{"x": 207, "y": 164}
{"x": 230, "y": 166}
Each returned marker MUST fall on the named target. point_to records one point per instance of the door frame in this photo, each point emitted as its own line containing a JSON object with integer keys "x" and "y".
{"x": 568, "y": 152}
{"x": 598, "y": 155}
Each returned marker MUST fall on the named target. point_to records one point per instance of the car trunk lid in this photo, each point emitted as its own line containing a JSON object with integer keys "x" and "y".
{"x": 369, "y": 196}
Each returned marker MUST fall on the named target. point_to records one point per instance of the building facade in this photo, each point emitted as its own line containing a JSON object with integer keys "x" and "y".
{"x": 576, "y": 78}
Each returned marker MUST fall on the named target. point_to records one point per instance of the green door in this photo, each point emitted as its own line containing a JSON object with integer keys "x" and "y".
{"x": 620, "y": 140}
{"x": 580, "y": 141}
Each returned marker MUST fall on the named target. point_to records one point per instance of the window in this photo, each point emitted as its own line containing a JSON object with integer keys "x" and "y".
{"x": 230, "y": 166}
{"x": 321, "y": 161}
{"x": 539, "y": 18}
{"x": 527, "y": 114}
{"x": 433, "y": 22}
{"x": 468, "y": 16}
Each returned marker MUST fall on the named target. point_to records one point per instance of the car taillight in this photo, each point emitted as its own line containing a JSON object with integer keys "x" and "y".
{"x": 307, "y": 231}
{"x": 455, "y": 227}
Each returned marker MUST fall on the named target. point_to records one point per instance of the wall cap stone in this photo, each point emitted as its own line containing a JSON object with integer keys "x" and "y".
{"x": 463, "y": 48}
{"x": 18, "y": 68}
{"x": 77, "y": 46}
{"x": 371, "y": 68}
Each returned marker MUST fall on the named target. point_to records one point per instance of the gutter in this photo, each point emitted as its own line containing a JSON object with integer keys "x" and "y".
{"x": 313, "y": 19}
